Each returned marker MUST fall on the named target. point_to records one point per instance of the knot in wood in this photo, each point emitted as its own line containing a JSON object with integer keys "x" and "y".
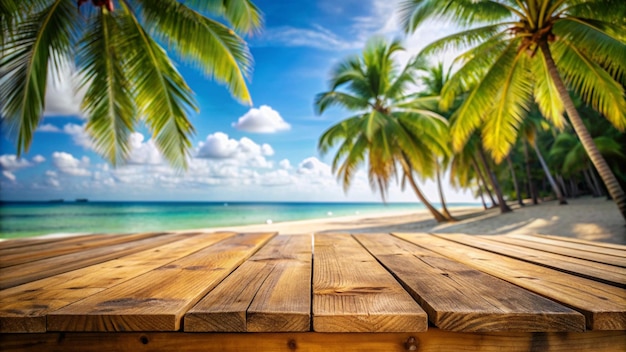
{"x": 292, "y": 344}
{"x": 411, "y": 344}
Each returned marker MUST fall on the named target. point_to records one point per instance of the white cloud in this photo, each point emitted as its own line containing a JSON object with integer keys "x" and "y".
{"x": 47, "y": 127}
{"x": 67, "y": 164}
{"x": 217, "y": 146}
{"x": 261, "y": 120}
{"x": 313, "y": 166}
{"x": 143, "y": 153}
{"x": 12, "y": 162}
{"x": 39, "y": 159}
{"x": 79, "y": 135}
{"x": 285, "y": 164}
{"x": 317, "y": 37}
{"x": 63, "y": 98}
{"x": 8, "y": 175}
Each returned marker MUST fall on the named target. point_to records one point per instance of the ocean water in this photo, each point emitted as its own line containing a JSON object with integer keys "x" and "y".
{"x": 26, "y": 219}
{"x": 38, "y": 218}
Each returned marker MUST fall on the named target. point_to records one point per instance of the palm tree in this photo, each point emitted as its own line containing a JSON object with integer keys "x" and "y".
{"x": 532, "y": 48}
{"x": 388, "y": 130}
{"x": 128, "y": 76}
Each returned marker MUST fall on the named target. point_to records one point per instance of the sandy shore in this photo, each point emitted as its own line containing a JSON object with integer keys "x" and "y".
{"x": 586, "y": 218}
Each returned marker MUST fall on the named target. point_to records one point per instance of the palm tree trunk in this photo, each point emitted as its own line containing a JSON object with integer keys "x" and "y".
{"x": 592, "y": 187}
{"x": 504, "y": 208}
{"x": 446, "y": 213}
{"x": 559, "y": 179}
{"x": 610, "y": 181}
{"x": 482, "y": 178}
{"x": 532, "y": 190}
{"x": 595, "y": 181}
{"x": 555, "y": 188}
{"x": 482, "y": 197}
{"x": 408, "y": 172}
{"x": 515, "y": 185}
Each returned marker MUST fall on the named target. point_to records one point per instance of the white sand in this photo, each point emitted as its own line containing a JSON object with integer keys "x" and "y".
{"x": 585, "y": 218}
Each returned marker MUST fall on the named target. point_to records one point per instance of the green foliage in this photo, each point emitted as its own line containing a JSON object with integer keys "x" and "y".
{"x": 129, "y": 78}
{"x": 389, "y": 127}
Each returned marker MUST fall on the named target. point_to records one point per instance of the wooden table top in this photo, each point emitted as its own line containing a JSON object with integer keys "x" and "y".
{"x": 327, "y": 283}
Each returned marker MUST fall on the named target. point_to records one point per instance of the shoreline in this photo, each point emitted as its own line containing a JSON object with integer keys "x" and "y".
{"x": 595, "y": 219}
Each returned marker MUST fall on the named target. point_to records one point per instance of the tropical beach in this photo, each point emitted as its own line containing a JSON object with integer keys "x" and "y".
{"x": 331, "y": 175}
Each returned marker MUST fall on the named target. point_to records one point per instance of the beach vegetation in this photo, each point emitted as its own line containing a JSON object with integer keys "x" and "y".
{"x": 392, "y": 133}
{"x": 517, "y": 51}
{"x": 122, "y": 51}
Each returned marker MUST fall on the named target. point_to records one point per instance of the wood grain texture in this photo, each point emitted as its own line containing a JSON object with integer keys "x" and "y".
{"x": 588, "y": 247}
{"x": 620, "y": 247}
{"x": 20, "y": 274}
{"x": 604, "y": 306}
{"x": 269, "y": 292}
{"x": 24, "y": 308}
{"x": 20, "y": 255}
{"x": 352, "y": 292}
{"x": 604, "y": 255}
{"x": 459, "y": 298}
{"x": 609, "y": 274}
{"x": 434, "y": 340}
{"x": 157, "y": 300}
{"x": 35, "y": 241}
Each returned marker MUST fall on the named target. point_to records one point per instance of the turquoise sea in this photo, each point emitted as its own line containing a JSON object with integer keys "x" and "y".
{"x": 26, "y": 219}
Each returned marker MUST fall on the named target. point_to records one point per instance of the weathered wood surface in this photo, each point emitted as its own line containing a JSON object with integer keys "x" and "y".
{"x": 592, "y": 253}
{"x": 606, "y": 273}
{"x": 459, "y": 298}
{"x": 34, "y": 252}
{"x": 352, "y": 292}
{"x": 157, "y": 300}
{"x": 359, "y": 283}
{"x": 24, "y": 307}
{"x": 603, "y": 305}
{"x": 434, "y": 340}
{"x": 17, "y": 275}
{"x": 270, "y": 292}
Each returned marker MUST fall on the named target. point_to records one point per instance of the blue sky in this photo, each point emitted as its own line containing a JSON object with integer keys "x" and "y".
{"x": 264, "y": 152}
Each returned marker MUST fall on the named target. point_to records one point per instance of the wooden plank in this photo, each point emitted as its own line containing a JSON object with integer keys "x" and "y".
{"x": 20, "y": 274}
{"x": 620, "y": 247}
{"x": 434, "y": 340}
{"x": 36, "y": 252}
{"x": 32, "y": 241}
{"x": 599, "y": 254}
{"x": 459, "y": 298}
{"x": 24, "y": 307}
{"x": 604, "y": 306}
{"x": 157, "y": 300}
{"x": 276, "y": 295}
{"x": 609, "y": 274}
{"x": 352, "y": 292}
{"x": 579, "y": 246}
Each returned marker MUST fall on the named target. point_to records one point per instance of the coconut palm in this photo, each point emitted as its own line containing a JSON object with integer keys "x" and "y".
{"x": 388, "y": 130}
{"x": 520, "y": 49}
{"x": 128, "y": 76}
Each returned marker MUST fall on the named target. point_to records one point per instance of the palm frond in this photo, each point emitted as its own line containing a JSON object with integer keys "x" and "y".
{"x": 591, "y": 82}
{"x": 468, "y": 39}
{"x": 333, "y": 98}
{"x": 469, "y": 116}
{"x": 607, "y": 50}
{"x": 511, "y": 104}
{"x": 44, "y": 38}
{"x": 108, "y": 100}
{"x": 211, "y": 46}
{"x": 546, "y": 95}
{"x": 160, "y": 92}
{"x": 462, "y": 12}
{"x": 244, "y": 15}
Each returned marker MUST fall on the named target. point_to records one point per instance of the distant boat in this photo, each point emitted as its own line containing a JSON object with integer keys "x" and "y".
{"x": 81, "y": 200}
{"x": 56, "y": 201}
